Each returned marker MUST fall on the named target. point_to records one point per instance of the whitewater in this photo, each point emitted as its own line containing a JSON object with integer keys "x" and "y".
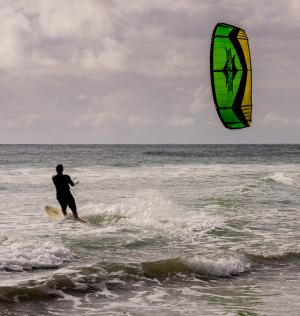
{"x": 174, "y": 230}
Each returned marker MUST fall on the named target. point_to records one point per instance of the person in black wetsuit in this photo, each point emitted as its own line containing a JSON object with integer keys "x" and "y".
{"x": 64, "y": 196}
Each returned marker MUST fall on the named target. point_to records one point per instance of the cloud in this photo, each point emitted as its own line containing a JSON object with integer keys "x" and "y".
{"x": 100, "y": 112}
{"x": 111, "y": 56}
{"x": 114, "y": 65}
{"x": 14, "y": 27}
{"x": 96, "y": 119}
{"x": 180, "y": 121}
{"x": 74, "y": 19}
{"x": 138, "y": 6}
{"x": 82, "y": 97}
{"x": 39, "y": 58}
{"x": 26, "y": 121}
{"x": 273, "y": 119}
{"x": 60, "y": 37}
{"x": 200, "y": 100}
{"x": 31, "y": 119}
{"x": 135, "y": 120}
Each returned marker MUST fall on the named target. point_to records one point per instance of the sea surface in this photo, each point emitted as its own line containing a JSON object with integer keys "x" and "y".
{"x": 174, "y": 230}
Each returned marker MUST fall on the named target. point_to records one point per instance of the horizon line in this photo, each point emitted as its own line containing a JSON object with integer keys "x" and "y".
{"x": 142, "y": 144}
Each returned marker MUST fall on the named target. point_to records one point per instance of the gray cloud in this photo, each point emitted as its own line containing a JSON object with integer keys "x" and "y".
{"x": 137, "y": 71}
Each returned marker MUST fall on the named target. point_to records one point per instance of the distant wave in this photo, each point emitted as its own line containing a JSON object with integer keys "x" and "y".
{"x": 280, "y": 178}
{"x": 164, "y": 153}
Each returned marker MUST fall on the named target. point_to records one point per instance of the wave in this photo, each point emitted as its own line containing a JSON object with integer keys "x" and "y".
{"x": 211, "y": 267}
{"x": 180, "y": 154}
{"x": 220, "y": 267}
{"x": 109, "y": 278}
{"x": 20, "y": 256}
{"x": 279, "y": 178}
{"x": 60, "y": 284}
{"x": 205, "y": 267}
{"x": 275, "y": 258}
{"x": 18, "y": 294}
{"x": 106, "y": 278}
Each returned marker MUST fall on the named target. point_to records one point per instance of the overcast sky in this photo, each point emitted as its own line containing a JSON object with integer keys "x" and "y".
{"x": 137, "y": 71}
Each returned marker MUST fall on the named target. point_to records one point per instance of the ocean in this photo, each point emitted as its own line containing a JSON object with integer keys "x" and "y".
{"x": 174, "y": 230}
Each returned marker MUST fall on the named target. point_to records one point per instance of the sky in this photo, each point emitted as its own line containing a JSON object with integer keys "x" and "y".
{"x": 137, "y": 71}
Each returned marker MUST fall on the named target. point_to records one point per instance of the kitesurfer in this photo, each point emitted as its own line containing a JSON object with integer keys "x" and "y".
{"x": 64, "y": 196}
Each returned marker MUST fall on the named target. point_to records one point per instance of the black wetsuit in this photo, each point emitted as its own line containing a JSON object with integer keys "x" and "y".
{"x": 63, "y": 193}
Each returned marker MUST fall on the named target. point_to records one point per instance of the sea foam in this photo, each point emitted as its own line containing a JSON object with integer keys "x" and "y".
{"x": 144, "y": 208}
{"x": 220, "y": 267}
{"x": 20, "y": 256}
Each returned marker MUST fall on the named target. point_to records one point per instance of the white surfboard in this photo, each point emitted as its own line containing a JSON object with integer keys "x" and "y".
{"x": 57, "y": 215}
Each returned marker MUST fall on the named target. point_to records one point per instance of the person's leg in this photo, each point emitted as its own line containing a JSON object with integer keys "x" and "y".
{"x": 64, "y": 210}
{"x": 72, "y": 206}
{"x": 63, "y": 205}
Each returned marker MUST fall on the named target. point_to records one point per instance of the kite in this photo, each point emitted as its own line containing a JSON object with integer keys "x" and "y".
{"x": 231, "y": 76}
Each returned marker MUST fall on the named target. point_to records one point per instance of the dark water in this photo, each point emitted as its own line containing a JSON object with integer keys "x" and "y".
{"x": 115, "y": 155}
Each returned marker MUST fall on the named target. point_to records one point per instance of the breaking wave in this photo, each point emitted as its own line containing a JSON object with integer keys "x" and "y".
{"x": 19, "y": 256}
{"x": 107, "y": 278}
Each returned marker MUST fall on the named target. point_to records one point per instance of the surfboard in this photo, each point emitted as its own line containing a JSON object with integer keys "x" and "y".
{"x": 57, "y": 215}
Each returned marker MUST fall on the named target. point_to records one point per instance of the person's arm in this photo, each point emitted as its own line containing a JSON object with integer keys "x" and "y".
{"x": 70, "y": 181}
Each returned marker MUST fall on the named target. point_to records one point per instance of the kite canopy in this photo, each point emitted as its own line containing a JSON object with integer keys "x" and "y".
{"x": 231, "y": 75}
